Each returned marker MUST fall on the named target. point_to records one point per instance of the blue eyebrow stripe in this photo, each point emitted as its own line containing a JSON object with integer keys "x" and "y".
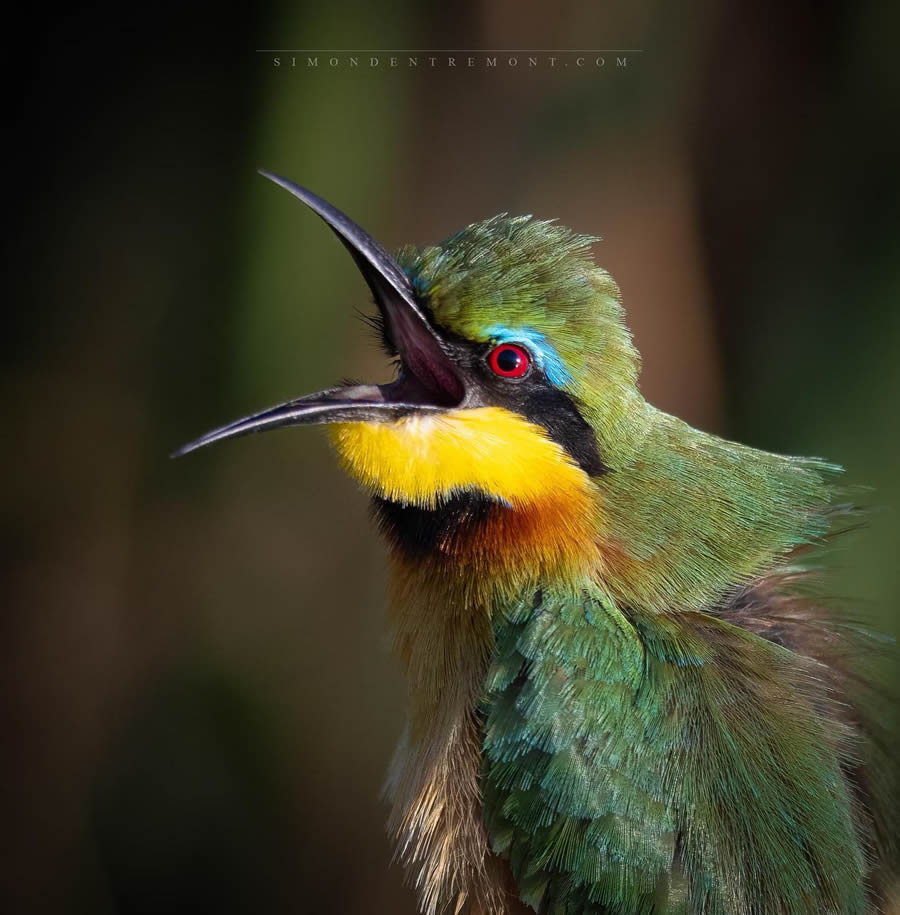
{"x": 547, "y": 358}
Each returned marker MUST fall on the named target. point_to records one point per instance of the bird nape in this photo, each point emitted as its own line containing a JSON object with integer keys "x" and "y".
{"x": 625, "y": 692}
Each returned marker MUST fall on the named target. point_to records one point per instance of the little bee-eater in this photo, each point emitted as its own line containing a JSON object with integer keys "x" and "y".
{"x": 624, "y": 695}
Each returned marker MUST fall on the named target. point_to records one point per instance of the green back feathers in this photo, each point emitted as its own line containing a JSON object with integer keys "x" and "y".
{"x": 696, "y": 517}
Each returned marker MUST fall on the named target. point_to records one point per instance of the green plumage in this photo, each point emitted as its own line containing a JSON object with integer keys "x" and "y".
{"x": 635, "y": 764}
{"x": 626, "y": 695}
{"x": 687, "y": 732}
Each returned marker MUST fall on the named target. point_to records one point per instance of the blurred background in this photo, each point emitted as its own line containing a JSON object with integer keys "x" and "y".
{"x": 199, "y": 705}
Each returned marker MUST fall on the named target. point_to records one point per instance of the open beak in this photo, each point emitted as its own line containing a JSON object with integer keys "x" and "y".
{"x": 428, "y": 380}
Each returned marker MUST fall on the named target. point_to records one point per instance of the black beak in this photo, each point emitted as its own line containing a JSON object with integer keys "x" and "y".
{"x": 428, "y": 380}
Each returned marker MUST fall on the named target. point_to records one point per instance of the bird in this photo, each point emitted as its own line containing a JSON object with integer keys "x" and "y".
{"x": 628, "y": 691}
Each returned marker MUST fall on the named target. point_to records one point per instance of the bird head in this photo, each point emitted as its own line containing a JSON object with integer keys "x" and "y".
{"x": 517, "y": 377}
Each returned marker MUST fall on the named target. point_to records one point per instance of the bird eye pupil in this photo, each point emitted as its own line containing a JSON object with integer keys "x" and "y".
{"x": 509, "y": 360}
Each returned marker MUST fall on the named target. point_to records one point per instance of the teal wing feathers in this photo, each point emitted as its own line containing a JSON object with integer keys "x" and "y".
{"x": 664, "y": 765}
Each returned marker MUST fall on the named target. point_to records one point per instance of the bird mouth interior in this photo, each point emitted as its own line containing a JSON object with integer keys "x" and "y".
{"x": 428, "y": 376}
{"x": 409, "y": 389}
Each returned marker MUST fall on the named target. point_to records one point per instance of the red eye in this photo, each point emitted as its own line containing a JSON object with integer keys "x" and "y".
{"x": 509, "y": 360}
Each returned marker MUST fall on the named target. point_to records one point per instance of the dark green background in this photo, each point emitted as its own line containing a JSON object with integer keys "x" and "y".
{"x": 198, "y": 701}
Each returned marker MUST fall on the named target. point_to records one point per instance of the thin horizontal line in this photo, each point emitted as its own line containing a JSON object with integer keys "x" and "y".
{"x": 451, "y": 51}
